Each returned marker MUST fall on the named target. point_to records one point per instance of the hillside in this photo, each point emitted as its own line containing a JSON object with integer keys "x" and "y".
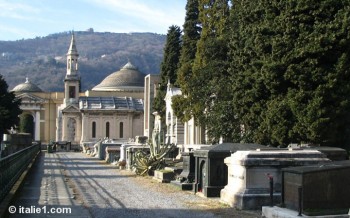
{"x": 43, "y": 59}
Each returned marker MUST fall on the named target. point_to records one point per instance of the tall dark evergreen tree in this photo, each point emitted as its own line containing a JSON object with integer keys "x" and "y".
{"x": 169, "y": 67}
{"x": 191, "y": 35}
{"x": 291, "y": 71}
{"x": 250, "y": 48}
{"x": 317, "y": 70}
{"x": 9, "y": 108}
{"x": 211, "y": 96}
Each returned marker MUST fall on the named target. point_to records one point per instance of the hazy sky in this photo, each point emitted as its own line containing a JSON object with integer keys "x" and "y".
{"x": 23, "y": 19}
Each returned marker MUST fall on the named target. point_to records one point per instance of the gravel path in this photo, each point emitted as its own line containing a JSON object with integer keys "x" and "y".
{"x": 109, "y": 192}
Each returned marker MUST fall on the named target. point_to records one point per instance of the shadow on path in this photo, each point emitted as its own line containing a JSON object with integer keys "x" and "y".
{"x": 89, "y": 188}
{"x": 45, "y": 192}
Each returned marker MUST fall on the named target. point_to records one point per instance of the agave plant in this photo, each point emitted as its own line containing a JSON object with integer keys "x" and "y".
{"x": 154, "y": 160}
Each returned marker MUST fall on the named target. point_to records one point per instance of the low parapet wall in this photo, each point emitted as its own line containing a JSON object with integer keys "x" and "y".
{"x": 14, "y": 169}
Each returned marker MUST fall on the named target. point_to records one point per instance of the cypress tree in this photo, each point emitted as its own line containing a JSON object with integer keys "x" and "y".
{"x": 191, "y": 34}
{"x": 250, "y": 51}
{"x": 169, "y": 67}
{"x": 317, "y": 70}
{"x": 291, "y": 71}
{"x": 210, "y": 99}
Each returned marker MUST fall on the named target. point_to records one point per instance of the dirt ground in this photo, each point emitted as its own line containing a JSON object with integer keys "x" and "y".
{"x": 212, "y": 205}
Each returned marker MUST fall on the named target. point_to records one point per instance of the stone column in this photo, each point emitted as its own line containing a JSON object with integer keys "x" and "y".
{"x": 197, "y": 135}
{"x": 78, "y": 129}
{"x": 37, "y": 126}
{"x": 130, "y": 119}
{"x": 83, "y": 126}
{"x": 186, "y": 136}
{"x": 99, "y": 127}
{"x": 64, "y": 128}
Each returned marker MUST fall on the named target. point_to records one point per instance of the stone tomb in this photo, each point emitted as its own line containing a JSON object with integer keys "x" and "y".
{"x": 210, "y": 169}
{"x": 101, "y": 147}
{"x": 332, "y": 153}
{"x": 248, "y": 182}
{"x": 186, "y": 179}
{"x": 62, "y": 146}
{"x": 325, "y": 188}
{"x": 112, "y": 154}
{"x": 123, "y": 151}
{"x": 130, "y": 154}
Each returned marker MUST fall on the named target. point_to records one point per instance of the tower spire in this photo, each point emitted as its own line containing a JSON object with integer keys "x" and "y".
{"x": 72, "y": 58}
{"x": 72, "y": 48}
{"x": 72, "y": 79}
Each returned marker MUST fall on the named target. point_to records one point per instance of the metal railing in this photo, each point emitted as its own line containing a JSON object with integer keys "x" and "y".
{"x": 12, "y": 166}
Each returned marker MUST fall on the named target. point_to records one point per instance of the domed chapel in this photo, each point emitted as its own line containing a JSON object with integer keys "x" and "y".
{"x": 114, "y": 108}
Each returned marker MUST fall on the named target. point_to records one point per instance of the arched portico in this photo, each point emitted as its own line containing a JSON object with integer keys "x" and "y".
{"x": 33, "y": 105}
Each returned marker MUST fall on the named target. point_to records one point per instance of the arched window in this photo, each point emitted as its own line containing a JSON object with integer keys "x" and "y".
{"x": 93, "y": 129}
{"x": 121, "y": 130}
{"x": 107, "y": 129}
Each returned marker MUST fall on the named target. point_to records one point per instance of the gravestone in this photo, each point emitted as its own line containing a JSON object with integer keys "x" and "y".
{"x": 123, "y": 150}
{"x": 101, "y": 147}
{"x": 249, "y": 174}
{"x": 210, "y": 169}
{"x": 186, "y": 179}
{"x": 130, "y": 154}
{"x": 63, "y": 145}
{"x": 325, "y": 188}
{"x": 112, "y": 154}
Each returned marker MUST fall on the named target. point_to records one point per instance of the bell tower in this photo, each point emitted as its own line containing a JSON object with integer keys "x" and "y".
{"x": 72, "y": 79}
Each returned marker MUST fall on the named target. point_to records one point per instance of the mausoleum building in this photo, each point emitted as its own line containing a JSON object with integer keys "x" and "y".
{"x": 114, "y": 108}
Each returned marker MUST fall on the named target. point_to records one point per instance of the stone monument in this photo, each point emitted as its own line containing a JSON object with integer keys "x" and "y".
{"x": 210, "y": 169}
{"x": 325, "y": 188}
{"x": 248, "y": 184}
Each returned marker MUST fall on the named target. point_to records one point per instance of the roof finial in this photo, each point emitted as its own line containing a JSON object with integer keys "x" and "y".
{"x": 72, "y": 48}
{"x": 129, "y": 66}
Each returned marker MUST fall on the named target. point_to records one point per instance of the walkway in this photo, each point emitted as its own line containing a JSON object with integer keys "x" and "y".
{"x": 46, "y": 191}
{"x": 91, "y": 188}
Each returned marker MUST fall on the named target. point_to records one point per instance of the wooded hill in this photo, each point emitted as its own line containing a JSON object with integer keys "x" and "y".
{"x": 43, "y": 59}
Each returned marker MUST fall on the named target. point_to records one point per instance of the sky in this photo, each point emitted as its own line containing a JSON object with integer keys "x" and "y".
{"x": 25, "y": 19}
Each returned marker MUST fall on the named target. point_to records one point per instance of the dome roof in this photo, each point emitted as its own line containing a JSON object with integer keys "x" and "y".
{"x": 27, "y": 86}
{"x": 127, "y": 78}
